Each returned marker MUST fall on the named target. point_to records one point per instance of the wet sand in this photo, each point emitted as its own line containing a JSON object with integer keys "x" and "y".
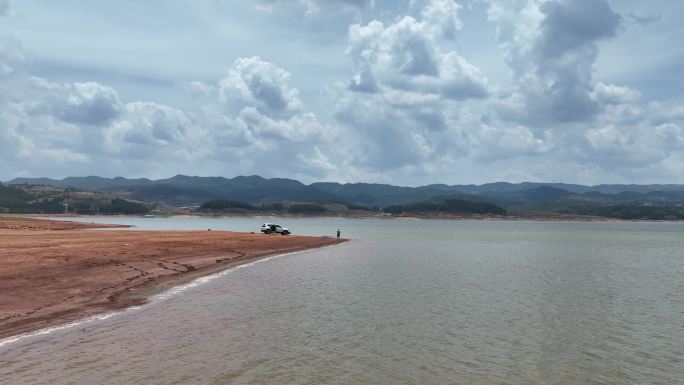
{"x": 16, "y": 223}
{"x": 54, "y": 272}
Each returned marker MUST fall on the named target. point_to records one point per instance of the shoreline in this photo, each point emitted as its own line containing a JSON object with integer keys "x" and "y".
{"x": 148, "y": 293}
{"x": 51, "y": 277}
{"x": 485, "y": 218}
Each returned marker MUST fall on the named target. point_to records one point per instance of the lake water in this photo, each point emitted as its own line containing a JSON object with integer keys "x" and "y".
{"x": 405, "y": 302}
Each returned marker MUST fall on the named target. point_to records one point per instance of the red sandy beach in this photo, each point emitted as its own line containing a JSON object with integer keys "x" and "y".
{"x": 54, "y": 272}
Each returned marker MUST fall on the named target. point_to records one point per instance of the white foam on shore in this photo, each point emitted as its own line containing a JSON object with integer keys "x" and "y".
{"x": 203, "y": 280}
{"x": 153, "y": 299}
{"x": 69, "y": 325}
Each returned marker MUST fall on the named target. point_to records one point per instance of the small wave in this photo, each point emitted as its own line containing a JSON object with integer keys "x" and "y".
{"x": 97, "y": 317}
{"x": 202, "y": 280}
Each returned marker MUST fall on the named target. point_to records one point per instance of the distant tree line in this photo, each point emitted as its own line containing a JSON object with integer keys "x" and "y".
{"x": 222, "y": 204}
{"x": 632, "y": 212}
{"x": 449, "y": 206}
{"x": 238, "y": 207}
{"x": 355, "y": 207}
{"x": 122, "y": 206}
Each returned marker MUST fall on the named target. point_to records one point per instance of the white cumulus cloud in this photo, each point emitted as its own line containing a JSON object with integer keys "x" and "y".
{"x": 348, "y": 90}
{"x": 551, "y": 48}
{"x": 262, "y": 84}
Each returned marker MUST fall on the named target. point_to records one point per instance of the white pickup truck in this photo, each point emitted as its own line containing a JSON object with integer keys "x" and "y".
{"x": 268, "y": 228}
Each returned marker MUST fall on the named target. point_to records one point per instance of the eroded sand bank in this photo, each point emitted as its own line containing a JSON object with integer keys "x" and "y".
{"x": 55, "y": 272}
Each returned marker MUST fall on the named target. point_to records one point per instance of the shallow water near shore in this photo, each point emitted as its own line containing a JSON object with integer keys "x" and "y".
{"x": 463, "y": 302}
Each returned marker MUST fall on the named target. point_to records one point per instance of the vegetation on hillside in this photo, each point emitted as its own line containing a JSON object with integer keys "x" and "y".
{"x": 227, "y": 205}
{"x": 633, "y": 212}
{"x": 12, "y": 199}
{"x": 16, "y": 200}
{"x": 306, "y": 208}
{"x": 28, "y": 199}
{"x": 122, "y": 206}
{"x": 231, "y": 206}
{"x": 355, "y": 207}
{"x": 273, "y": 207}
{"x": 253, "y": 194}
{"x": 449, "y": 206}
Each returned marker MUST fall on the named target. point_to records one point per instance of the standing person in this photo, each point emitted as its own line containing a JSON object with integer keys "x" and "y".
{"x": 338, "y": 233}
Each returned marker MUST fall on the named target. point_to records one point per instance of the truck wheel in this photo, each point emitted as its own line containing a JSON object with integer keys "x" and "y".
{"x": 267, "y": 232}
{"x": 286, "y": 232}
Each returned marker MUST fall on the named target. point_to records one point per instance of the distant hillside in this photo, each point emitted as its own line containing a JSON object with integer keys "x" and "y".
{"x": 632, "y": 212}
{"x": 380, "y": 194}
{"x": 535, "y": 194}
{"x": 86, "y": 182}
{"x": 182, "y": 190}
{"x": 427, "y": 208}
{"x": 294, "y": 208}
{"x": 163, "y": 193}
{"x": 42, "y": 199}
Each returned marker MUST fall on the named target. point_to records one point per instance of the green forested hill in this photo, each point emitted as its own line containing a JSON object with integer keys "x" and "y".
{"x": 515, "y": 198}
{"x": 30, "y": 199}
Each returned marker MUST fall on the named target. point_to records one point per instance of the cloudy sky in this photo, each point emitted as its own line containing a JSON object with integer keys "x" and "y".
{"x": 406, "y": 92}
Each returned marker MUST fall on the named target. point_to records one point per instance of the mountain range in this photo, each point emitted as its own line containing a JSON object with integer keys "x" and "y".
{"x": 182, "y": 190}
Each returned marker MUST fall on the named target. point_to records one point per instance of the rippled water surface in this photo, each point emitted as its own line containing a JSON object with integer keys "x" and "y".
{"x": 406, "y": 302}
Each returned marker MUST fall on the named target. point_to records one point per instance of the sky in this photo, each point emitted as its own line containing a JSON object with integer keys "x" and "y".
{"x": 408, "y": 92}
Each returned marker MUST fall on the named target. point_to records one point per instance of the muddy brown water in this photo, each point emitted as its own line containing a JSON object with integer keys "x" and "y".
{"x": 406, "y": 302}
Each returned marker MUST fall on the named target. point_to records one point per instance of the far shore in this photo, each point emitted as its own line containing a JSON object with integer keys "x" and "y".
{"x": 56, "y": 272}
{"x": 531, "y": 217}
